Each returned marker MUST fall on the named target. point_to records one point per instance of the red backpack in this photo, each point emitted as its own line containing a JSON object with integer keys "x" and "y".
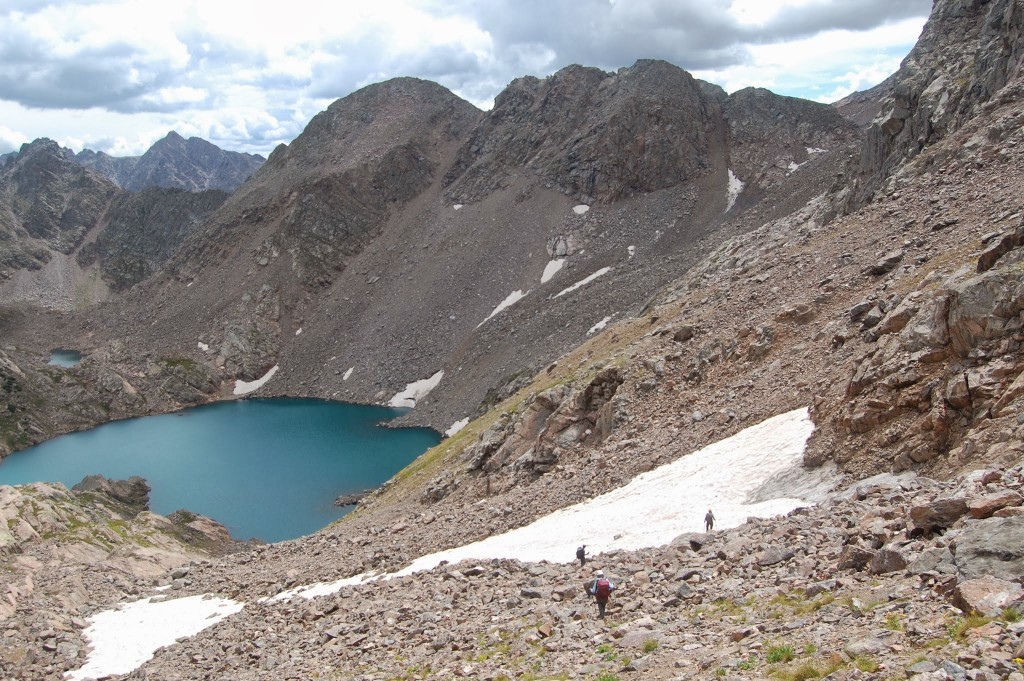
{"x": 603, "y": 589}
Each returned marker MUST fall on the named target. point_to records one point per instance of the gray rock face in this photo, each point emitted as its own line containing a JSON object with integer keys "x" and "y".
{"x": 133, "y": 492}
{"x": 575, "y": 127}
{"x": 144, "y": 230}
{"x": 994, "y": 547}
{"x": 47, "y": 204}
{"x": 175, "y": 163}
{"x": 967, "y": 52}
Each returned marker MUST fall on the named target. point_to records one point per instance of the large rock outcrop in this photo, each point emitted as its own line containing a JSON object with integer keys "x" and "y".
{"x": 969, "y": 50}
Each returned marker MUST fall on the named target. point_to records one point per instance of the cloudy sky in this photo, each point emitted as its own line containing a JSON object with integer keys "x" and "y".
{"x": 117, "y": 75}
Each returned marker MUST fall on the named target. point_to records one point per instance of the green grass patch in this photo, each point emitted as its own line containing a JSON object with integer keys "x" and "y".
{"x": 783, "y": 653}
{"x": 959, "y": 627}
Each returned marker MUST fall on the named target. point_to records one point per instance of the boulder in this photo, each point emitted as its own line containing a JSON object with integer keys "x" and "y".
{"x": 886, "y": 561}
{"x": 986, "y": 506}
{"x": 986, "y": 595}
{"x": 132, "y": 492}
{"x": 938, "y": 515}
{"x": 991, "y": 547}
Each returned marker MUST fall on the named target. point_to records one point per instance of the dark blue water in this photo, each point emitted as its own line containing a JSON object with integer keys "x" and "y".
{"x": 269, "y": 469}
{"x": 65, "y": 358}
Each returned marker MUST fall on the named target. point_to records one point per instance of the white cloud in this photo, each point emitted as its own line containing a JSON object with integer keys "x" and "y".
{"x": 248, "y": 76}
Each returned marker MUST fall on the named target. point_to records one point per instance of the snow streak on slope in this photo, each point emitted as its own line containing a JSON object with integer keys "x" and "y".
{"x": 733, "y": 192}
{"x": 737, "y": 477}
{"x": 416, "y": 391}
{"x": 123, "y": 639}
{"x": 246, "y": 387}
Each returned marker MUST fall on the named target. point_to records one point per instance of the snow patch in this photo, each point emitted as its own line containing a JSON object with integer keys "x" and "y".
{"x": 815, "y": 150}
{"x": 551, "y": 269}
{"x": 647, "y": 512}
{"x": 298, "y": 331}
{"x": 600, "y": 325}
{"x": 793, "y": 167}
{"x": 244, "y": 387}
{"x": 580, "y": 209}
{"x": 456, "y": 427}
{"x": 739, "y": 477}
{"x": 511, "y": 300}
{"x": 416, "y": 391}
{"x": 457, "y": 206}
{"x": 584, "y": 282}
{"x": 348, "y": 373}
{"x": 203, "y": 346}
{"x": 734, "y": 190}
{"x": 121, "y": 640}
{"x": 632, "y": 251}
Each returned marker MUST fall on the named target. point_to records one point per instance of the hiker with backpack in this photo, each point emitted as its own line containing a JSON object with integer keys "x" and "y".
{"x": 601, "y": 589}
{"x": 581, "y": 555}
{"x": 709, "y": 521}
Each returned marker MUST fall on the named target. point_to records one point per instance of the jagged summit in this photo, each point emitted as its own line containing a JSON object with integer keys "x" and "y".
{"x": 594, "y": 135}
{"x": 174, "y": 163}
{"x": 47, "y": 205}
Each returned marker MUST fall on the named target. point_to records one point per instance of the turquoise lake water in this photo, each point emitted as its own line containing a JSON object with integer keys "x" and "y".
{"x": 65, "y": 358}
{"x": 265, "y": 468}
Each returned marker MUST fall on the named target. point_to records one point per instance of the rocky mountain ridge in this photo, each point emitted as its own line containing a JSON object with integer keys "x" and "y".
{"x": 174, "y": 162}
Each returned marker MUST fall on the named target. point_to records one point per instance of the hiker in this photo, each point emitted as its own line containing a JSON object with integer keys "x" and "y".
{"x": 581, "y": 555}
{"x": 601, "y": 589}
{"x": 709, "y": 521}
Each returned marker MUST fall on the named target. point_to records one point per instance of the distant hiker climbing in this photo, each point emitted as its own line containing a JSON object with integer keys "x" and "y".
{"x": 581, "y": 555}
{"x": 601, "y": 589}
{"x": 709, "y": 521}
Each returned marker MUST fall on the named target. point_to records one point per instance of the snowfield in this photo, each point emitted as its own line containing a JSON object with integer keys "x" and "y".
{"x": 756, "y": 472}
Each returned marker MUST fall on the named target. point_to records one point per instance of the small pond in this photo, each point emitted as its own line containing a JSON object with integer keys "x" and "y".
{"x": 266, "y": 468}
{"x": 65, "y": 358}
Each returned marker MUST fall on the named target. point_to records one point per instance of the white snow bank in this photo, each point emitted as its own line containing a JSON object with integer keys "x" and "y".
{"x": 244, "y": 387}
{"x": 793, "y": 167}
{"x": 584, "y": 282}
{"x": 580, "y": 209}
{"x": 756, "y": 472}
{"x": 457, "y": 206}
{"x": 733, "y": 191}
{"x": 203, "y": 346}
{"x": 457, "y": 426}
{"x": 416, "y": 391}
{"x": 815, "y": 150}
{"x": 348, "y": 373}
{"x": 600, "y": 325}
{"x": 298, "y": 331}
{"x": 551, "y": 269}
{"x": 511, "y": 300}
{"x": 123, "y": 639}
{"x": 659, "y": 505}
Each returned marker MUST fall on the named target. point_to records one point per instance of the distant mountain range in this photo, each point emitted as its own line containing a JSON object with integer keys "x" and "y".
{"x": 173, "y": 162}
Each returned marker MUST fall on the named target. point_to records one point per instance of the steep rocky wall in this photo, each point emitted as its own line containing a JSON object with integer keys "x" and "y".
{"x": 143, "y": 230}
{"x": 594, "y": 135}
{"x": 968, "y": 51}
{"x": 47, "y": 203}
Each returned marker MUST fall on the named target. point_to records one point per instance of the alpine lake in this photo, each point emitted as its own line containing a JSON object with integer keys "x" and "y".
{"x": 268, "y": 469}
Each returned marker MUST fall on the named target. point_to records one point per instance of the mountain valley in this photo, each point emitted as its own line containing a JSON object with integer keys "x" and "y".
{"x": 604, "y": 273}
